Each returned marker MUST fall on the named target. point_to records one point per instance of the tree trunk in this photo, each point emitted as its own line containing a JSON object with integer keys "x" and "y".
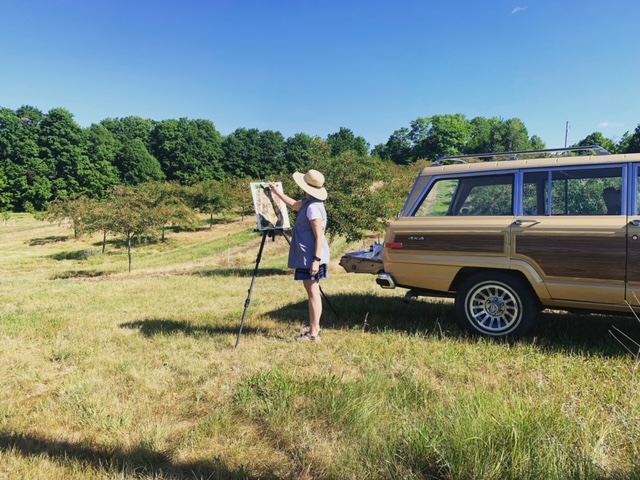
{"x": 129, "y": 250}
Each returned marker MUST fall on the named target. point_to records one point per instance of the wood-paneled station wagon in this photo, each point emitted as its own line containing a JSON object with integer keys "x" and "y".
{"x": 510, "y": 234}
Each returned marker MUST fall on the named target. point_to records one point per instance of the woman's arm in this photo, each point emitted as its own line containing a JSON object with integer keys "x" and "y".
{"x": 288, "y": 201}
{"x": 316, "y": 227}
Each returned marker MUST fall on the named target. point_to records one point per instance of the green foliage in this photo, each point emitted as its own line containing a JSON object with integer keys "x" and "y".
{"x": 213, "y": 197}
{"x": 398, "y": 148}
{"x": 137, "y": 165}
{"x": 166, "y": 205}
{"x": 255, "y": 154}
{"x": 301, "y": 150}
{"x": 597, "y": 138}
{"x": 446, "y": 135}
{"x": 129, "y": 128}
{"x": 189, "y": 151}
{"x": 631, "y": 143}
{"x": 131, "y": 215}
{"x": 345, "y": 141}
{"x": 48, "y": 156}
{"x": 78, "y": 211}
{"x": 363, "y": 193}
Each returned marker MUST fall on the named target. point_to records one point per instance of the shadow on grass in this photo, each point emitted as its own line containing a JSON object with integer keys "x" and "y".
{"x": 562, "y": 332}
{"x": 555, "y": 332}
{"x": 243, "y": 272}
{"x": 74, "y": 255}
{"x": 139, "y": 461}
{"x": 77, "y": 274}
{"x": 152, "y": 327}
{"x": 50, "y": 239}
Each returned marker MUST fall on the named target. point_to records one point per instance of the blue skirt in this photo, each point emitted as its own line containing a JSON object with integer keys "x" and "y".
{"x": 303, "y": 273}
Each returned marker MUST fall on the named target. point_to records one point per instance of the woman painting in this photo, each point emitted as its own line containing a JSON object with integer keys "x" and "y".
{"x": 309, "y": 251}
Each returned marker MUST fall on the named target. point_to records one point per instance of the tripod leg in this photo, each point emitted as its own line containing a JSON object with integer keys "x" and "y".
{"x": 327, "y": 299}
{"x": 253, "y": 281}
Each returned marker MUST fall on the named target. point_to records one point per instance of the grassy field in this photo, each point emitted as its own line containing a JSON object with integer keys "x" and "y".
{"x": 114, "y": 375}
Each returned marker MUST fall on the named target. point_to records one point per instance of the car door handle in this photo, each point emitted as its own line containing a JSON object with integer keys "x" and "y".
{"x": 519, "y": 222}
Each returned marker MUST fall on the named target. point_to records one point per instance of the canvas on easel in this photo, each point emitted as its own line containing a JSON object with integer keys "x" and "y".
{"x": 271, "y": 212}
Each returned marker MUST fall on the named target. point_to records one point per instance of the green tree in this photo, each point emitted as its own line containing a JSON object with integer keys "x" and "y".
{"x": 189, "y": 151}
{"x": 102, "y": 150}
{"x": 515, "y": 136}
{"x": 131, "y": 216}
{"x": 448, "y": 135}
{"x": 5, "y": 194}
{"x": 255, "y": 154}
{"x": 363, "y": 194}
{"x": 130, "y": 128}
{"x": 78, "y": 211}
{"x": 597, "y": 138}
{"x": 241, "y": 149}
{"x": 301, "y": 150}
{"x": 398, "y": 148}
{"x": 28, "y": 177}
{"x": 100, "y": 219}
{"x": 212, "y": 197}
{"x": 439, "y": 135}
{"x": 344, "y": 141}
{"x": 137, "y": 165}
{"x": 631, "y": 143}
{"x": 63, "y": 149}
{"x": 166, "y": 204}
{"x": 270, "y": 154}
{"x": 537, "y": 143}
{"x": 486, "y": 135}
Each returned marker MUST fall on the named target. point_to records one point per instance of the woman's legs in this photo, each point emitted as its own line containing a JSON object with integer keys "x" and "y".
{"x": 315, "y": 305}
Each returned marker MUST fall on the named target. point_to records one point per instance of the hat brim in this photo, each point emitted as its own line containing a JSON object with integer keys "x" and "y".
{"x": 319, "y": 193}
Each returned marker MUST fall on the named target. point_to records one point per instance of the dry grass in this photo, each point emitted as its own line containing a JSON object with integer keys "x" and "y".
{"x": 110, "y": 375}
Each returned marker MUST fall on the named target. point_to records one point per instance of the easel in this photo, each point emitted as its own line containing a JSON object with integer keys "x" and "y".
{"x": 271, "y": 233}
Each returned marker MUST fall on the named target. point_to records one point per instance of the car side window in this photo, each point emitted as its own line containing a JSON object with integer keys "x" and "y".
{"x": 588, "y": 191}
{"x": 437, "y": 203}
{"x": 483, "y": 195}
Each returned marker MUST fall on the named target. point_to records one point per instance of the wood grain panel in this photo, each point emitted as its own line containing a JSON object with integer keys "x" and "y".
{"x": 576, "y": 256}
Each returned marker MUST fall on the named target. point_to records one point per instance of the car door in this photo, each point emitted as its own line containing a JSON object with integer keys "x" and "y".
{"x": 632, "y": 293}
{"x": 569, "y": 236}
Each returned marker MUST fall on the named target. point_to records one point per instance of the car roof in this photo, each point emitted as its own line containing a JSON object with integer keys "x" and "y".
{"x": 543, "y": 162}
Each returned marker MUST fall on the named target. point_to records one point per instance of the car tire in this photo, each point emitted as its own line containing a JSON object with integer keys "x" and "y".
{"x": 496, "y": 304}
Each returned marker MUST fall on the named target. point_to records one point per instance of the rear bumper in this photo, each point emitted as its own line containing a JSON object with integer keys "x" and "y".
{"x": 385, "y": 280}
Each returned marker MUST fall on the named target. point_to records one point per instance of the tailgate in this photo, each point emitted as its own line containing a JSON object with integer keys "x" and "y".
{"x": 364, "y": 262}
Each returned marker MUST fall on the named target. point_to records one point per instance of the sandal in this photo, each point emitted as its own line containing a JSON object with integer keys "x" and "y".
{"x": 307, "y": 337}
{"x": 307, "y": 329}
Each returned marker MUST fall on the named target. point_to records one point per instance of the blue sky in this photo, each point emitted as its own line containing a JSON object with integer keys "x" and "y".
{"x": 314, "y": 66}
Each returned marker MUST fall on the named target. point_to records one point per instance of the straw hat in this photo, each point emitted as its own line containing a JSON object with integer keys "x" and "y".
{"x": 311, "y": 182}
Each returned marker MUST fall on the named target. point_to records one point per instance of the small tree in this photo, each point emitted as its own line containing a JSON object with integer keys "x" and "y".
{"x": 168, "y": 205}
{"x": 131, "y": 216}
{"x": 101, "y": 219}
{"x": 210, "y": 197}
{"x": 78, "y": 211}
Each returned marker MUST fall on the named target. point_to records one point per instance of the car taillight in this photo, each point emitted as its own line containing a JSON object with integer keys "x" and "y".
{"x": 393, "y": 245}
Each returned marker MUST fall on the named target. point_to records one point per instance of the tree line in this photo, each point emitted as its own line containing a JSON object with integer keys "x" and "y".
{"x": 48, "y": 156}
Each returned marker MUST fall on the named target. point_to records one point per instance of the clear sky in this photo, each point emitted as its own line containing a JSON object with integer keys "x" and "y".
{"x": 313, "y": 66}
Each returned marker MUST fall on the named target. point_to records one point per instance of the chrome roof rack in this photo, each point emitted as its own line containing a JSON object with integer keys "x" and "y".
{"x": 514, "y": 155}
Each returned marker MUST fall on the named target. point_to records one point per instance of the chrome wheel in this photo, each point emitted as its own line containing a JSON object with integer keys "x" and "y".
{"x": 494, "y": 308}
{"x": 496, "y": 304}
